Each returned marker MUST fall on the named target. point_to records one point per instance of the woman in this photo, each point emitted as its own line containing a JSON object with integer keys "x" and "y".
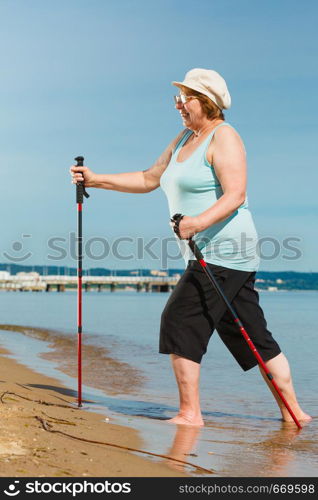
{"x": 203, "y": 173}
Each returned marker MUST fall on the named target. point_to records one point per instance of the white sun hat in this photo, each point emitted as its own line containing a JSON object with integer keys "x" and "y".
{"x": 209, "y": 83}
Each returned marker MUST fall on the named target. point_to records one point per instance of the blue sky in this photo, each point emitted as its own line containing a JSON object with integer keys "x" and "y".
{"x": 94, "y": 78}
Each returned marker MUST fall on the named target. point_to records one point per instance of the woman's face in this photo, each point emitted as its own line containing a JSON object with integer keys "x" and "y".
{"x": 191, "y": 111}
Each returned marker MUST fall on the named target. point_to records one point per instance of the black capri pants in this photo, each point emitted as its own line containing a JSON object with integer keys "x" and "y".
{"x": 194, "y": 310}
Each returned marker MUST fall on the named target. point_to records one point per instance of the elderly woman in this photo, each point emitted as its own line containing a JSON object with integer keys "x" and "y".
{"x": 203, "y": 173}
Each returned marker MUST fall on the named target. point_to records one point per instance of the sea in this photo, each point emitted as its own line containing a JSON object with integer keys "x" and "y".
{"x": 128, "y": 382}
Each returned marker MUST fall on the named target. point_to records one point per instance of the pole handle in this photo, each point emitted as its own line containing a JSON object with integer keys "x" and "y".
{"x": 80, "y": 188}
{"x": 198, "y": 255}
{"x": 175, "y": 220}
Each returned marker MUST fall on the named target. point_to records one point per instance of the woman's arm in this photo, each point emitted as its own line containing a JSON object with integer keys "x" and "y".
{"x": 142, "y": 181}
{"x": 229, "y": 162}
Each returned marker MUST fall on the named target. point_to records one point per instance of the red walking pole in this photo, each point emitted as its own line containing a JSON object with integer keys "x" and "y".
{"x": 80, "y": 192}
{"x": 198, "y": 255}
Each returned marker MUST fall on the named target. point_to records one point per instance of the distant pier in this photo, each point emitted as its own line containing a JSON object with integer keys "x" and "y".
{"x": 35, "y": 282}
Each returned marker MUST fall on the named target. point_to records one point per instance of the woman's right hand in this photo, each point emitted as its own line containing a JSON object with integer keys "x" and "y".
{"x": 83, "y": 174}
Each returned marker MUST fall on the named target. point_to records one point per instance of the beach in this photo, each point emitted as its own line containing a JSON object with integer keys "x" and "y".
{"x": 31, "y": 403}
{"x": 129, "y": 391}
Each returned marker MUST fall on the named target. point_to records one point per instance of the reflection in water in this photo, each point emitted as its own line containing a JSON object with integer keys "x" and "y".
{"x": 279, "y": 449}
{"x": 242, "y": 448}
{"x": 272, "y": 456}
{"x": 184, "y": 442}
{"x": 259, "y": 451}
{"x": 276, "y": 452}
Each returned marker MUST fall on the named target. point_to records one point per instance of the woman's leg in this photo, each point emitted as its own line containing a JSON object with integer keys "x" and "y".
{"x": 280, "y": 370}
{"x": 187, "y": 374}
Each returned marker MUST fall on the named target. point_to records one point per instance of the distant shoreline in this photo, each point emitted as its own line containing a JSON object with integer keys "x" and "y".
{"x": 265, "y": 280}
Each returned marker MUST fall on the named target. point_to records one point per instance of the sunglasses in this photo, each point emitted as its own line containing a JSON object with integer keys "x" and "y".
{"x": 182, "y": 99}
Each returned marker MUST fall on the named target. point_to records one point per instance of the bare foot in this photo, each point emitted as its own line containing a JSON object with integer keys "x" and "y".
{"x": 186, "y": 420}
{"x": 301, "y": 416}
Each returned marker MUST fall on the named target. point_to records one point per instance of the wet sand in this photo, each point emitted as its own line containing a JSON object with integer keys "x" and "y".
{"x": 100, "y": 368}
{"x": 29, "y": 448}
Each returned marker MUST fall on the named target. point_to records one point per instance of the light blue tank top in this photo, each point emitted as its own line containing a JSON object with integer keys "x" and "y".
{"x": 192, "y": 187}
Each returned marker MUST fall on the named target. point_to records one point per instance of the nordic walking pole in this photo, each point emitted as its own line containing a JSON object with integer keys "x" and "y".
{"x": 198, "y": 255}
{"x": 80, "y": 192}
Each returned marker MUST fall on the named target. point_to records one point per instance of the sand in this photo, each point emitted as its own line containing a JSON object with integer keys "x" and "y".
{"x": 29, "y": 448}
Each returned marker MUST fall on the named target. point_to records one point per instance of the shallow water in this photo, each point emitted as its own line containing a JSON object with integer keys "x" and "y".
{"x": 133, "y": 384}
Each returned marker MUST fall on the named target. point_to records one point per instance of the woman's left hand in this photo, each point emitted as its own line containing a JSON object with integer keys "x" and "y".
{"x": 188, "y": 227}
